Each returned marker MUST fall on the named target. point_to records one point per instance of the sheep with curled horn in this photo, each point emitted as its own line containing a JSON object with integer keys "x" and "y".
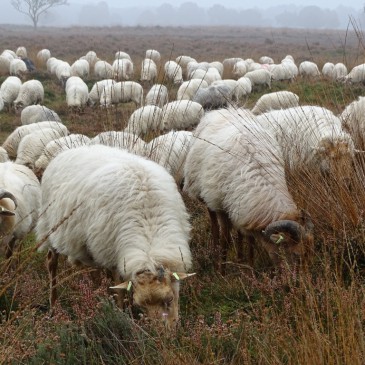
{"x": 236, "y": 168}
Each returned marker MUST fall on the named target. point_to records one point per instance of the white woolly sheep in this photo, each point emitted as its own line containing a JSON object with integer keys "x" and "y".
{"x": 244, "y": 87}
{"x": 158, "y": 95}
{"x": 77, "y": 92}
{"x": 19, "y": 201}
{"x": 4, "y": 66}
{"x": 103, "y": 70}
{"x": 145, "y": 119}
{"x": 283, "y": 71}
{"x": 228, "y": 65}
{"x": 9, "y": 54}
{"x": 339, "y": 72}
{"x": 183, "y": 62}
{"x": 37, "y": 113}
{"x": 308, "y": 69}
{"x": 43, "y": 56}
{"x": 260, "y": 77}
{"x": 80, "y": 68}
{"x": 213, "y": 96}
{"x": 266, "y": 60}
{"x": 30, "y": 92}
{"x": 239, "y": 69}
{"x": 276, "y": 100}
{"x": 3, "y": 155}
{"x": 188, "y": 89}
{"x": 169, "y": 150}
{"x": 97, "y": 89}
{"x": 56, "y": 146}
{"x": 327, "y": 69}
{"x": 210, "y": 75}
{"x": 11, "y": 143}
{"x": 217, "y": 65}
{"x": 18, "y": 68}
{"x": 119, "y": 55}
{"x": 9, "y": 90}
{"x": 51, "y": 65}
{"x": 122, "y": 140}
{"x": 153, "y": 55}
{"x": 122, "y": 92}
{"x": 353, "y": 121}
{"x": 173, "y": 72}
{"x": 62, "y": 71}
{"x": 91, "y": 57}
{"x": 123, "y": 69}
{"x": 195, "y": 66}
{"x": 236, "y": 168}
{"x": 181, "y": 114}
{"x": 356, "y": 75}
{"x": 148, "y": 70}
{"x": 135, "y": 215}
{"x": 32, "y": 145}
{"x": 21, "y": 52}
{"x": 311, "y": 137}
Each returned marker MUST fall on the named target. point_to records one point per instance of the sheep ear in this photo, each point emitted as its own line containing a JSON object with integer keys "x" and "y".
{"x": 181, "y": 275}
{"x": 6, "y": 212}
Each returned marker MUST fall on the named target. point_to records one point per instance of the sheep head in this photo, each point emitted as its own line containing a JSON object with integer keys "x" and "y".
{"x": 289, "y": 240}
{"x": 157, "y": 294}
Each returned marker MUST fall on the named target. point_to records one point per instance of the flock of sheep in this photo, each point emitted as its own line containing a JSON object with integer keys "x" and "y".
{"x": 114, "y": 201}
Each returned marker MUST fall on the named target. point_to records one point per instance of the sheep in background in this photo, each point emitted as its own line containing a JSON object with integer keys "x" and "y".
{"x": 236, "y": 167}
{"x": 266, "y": 60}
{"x": 308, "y": 69}
{"x": 97, "y": 89}
{"x": 228, "y": 65}
{"x": 11, "y": 143}
{"x": 283, "y": 72}
{"x": 181, "y": 114}
{"x": 4, "y": 66}
{"x": 43, "y": 56}
{"x": 91, "y": 57}
{"x": 339, "y": 72}
{"x": 356, "y": 75}
{"x": 153, "y": 55}
{"x": 169, "y": 150}
{"x": 276, "y": 100}
{"x": 148, "y": 70}
{"x": 120, "y": 55}
{"x": 80, "y": 68}
{"x": 21, "y": 52}
{"x": 210, "y": 75}
{"x": 244, "y": 87}
{"x": 18, "y": 68}
{"x": 20, "y": 196}
{"x": 135, "y": 215}
{"x": 158, "y": 95}
{"x": 195, "y": 66}
{"x": 37, "y": 113}
{"x": 122, "y": 92}
{"x": 30, "y": 92}
{"x": 103, "y": 70}
{"x": 260, "y": 77}
{"x": 213, "y": 97}
{"x": 121, "y": 140}
{"x": 218, "y": 66}
{"x": 56, "y": 146}
{"x": 188, "y": 89}
{"x": 145, "y": 119}
{"x": 183, "y": 61}
{"x": 62, "y": 71}
{"x": 77, "y": 93}
{"x": 173, "y": 72}
{"x": 32, "y": 145}
{"x": 327, "y": 69}
{"x": 123, "y": 69}
{"x": 239, "y": 69}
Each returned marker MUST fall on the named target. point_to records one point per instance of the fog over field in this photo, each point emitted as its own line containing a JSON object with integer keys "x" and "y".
{"x": 323, "y": 14}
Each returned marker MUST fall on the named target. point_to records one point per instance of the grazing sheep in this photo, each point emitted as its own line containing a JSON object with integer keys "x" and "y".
{"x": 145, "y": 119}
{"x": 97, "y": 89}
{"x": 30, "y": 92}
{"x": 169, "y": 150}
{"x": 56, "y": 146}
{"x": 353, "y": 121}
{"x": 356, "y": 75}
{"x": 158, "y": 95}
{"x": 18, "y": 68}
{"x": 122, "y": 55}
{"x": 183, "y": 62}
{"x": 91, "y": 57}
{"x": 339, "y": 72}
{"x": 9, "y": 90}
{"x": 123, "y": 69}
{"x": 308, "y": 69}
{"x": 21, "y": 52}
{"x": 80, "y": 68}
{"x": 103, "y": 70}
{"x": 283, "y": 72}
{"x": 122, "y": 92}
{"x": 188, "y": 89}
{"x": 327, "y": 69}
{"x": 153, "y": 55}
{"x": 236, "y": 167}
{"x": 148, "y": 70}
{"x": 62, "y": 71}
{"x": 32, "y": 145}
{"x": 173, "y": 72}
{"x": 266, "y": 60}
{"x": 4, "y": 65}
{"x": 181, "y": 114}
{"x": 37, "y": 113}
{"x": 239, "y": 69}
{"x": 122, "y": 140}
{"x": 260, "y": 77}
{"x": 276, "y": 100}
{"x": 43, "y": 56}
{"x": 213, "y": 97}
{"x": 20, "y": 195}
{"x": 210, "y": 75}
{"x": 195, "y": 66}
{"x": 228, "y": 65}
{"x": 121, "y": 212}
{"x": 11, "y": 143}
{"x": 244, "y": 87}
{"x": 77, "y": 93}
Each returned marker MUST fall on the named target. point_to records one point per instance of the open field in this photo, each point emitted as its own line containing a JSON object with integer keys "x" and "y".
{"x": 311, "y": 317}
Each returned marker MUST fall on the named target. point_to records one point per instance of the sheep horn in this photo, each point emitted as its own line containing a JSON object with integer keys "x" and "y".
{"x": 6, "y": 194}
{"x": 292, "y": 227}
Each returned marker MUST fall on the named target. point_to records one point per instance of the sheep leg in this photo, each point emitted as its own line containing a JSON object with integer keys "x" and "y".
{"x": 239, "y": 246}
{"x": 225, "y": 239}
{"x": 9, "y": 242}
{"x": 251, "y": 250}
{"x": 215, "y": 233}
{"x": 52, "y": 263}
